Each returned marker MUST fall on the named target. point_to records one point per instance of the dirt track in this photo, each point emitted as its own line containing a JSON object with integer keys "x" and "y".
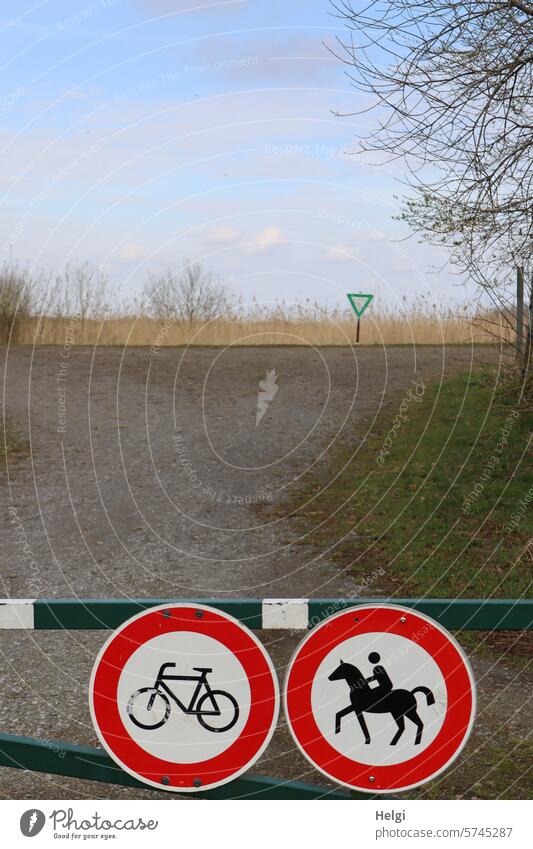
{"x": 149, "y": 477}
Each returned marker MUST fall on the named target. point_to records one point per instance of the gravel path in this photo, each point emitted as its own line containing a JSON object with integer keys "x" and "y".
{"x": 148, "y": 476}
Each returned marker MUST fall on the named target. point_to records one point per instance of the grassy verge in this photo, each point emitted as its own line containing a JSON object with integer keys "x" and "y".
{"x": 441, "y": 501}
{"x": 490, "y": 770}
{"x": 440, "y": 506}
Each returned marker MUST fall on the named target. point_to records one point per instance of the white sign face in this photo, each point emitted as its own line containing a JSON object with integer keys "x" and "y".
{"x": 184, "y": 737}
{"x": 408, "y": 667}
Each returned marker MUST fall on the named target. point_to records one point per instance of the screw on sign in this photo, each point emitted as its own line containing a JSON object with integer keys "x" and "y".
{"x": 184, "y": 697}
{"x": 380, "y": 698}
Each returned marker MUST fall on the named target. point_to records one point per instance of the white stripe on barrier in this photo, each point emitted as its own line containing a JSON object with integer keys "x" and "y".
{"x": 286, "y": 613}
{"x": 277, "y": 613}
{"x": 16, "y": 613}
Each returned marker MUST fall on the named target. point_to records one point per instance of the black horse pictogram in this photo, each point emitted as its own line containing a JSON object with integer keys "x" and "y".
{"x": 383, "y": 699}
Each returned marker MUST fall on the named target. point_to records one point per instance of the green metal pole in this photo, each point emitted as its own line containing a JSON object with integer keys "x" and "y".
{"x": 59, "y": 758}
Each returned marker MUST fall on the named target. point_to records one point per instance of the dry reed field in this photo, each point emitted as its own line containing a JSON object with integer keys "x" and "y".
{"x": 375, "y": 330}
{"x": 192, "y": 306}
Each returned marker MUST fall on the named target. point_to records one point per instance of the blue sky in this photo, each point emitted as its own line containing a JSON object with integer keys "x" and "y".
{"x": 137, "y": 132}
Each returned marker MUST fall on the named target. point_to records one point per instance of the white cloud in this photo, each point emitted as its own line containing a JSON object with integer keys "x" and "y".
{"x": 341, "y": 253}
{"x": 163, "y": 7}
{"x": 223, "y": 234}
{"x": 375, "y": 235}
{"x": 264, "y": 241}
{"x": 131, "y": 252}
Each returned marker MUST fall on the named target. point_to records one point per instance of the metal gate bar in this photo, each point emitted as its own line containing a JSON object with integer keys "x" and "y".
{"x": 59, "y": 758}
{"x": 287, "y": 614}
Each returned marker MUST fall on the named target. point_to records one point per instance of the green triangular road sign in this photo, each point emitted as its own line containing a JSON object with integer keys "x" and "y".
{"x": 359, "y": 302}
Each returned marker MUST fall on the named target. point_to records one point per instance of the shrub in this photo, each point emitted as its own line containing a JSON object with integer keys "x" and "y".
{"x": 16, "y": 296}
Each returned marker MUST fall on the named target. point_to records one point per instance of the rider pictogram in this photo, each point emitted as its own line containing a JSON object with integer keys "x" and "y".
{"x": 215, "y": 710}
{"x": 379, "y": 675}
{"x": 383, "y": 698}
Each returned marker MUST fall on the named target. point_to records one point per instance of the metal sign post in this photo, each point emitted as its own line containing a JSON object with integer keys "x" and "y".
{"x": 519, "y": 309}
{"x": 359, "y": 302}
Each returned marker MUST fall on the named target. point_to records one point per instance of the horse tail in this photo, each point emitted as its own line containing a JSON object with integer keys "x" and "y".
{"x": 427, "y": 692}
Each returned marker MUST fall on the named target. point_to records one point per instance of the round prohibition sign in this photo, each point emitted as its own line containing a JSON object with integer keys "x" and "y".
{"x": 183, "y": 697}
{"x": 380, "y": 698}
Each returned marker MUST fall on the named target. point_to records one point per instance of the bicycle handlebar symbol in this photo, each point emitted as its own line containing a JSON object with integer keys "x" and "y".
{"x": 149, "y": 707}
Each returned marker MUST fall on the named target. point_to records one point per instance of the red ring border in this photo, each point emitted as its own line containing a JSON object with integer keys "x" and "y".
{"x": 452, "y": 664}
{"x": 264, "y": 701}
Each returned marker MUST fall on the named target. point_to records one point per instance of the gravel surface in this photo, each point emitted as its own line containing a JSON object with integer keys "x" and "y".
{"x": 148, "y": 476}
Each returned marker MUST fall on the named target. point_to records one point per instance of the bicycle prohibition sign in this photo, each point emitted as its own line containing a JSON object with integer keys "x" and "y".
{"x": 184, "y": 697}
{"x": 149, "y": 707}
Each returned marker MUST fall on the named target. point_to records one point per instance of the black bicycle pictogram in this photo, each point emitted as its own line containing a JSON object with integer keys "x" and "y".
{"x": 149, "y": 707}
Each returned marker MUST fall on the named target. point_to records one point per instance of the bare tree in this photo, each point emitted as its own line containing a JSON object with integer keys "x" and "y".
{"x": 79, "y": 292}
{"x": 16, "y": 297}
{"x": 451, "y": 85}
{"x": 190, "y": 294}
{"x": 85, "y": 292}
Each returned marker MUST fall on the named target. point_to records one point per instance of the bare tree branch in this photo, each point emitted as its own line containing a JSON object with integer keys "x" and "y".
{"x": 450, "y": 86}
{"x": 189, "y": 294}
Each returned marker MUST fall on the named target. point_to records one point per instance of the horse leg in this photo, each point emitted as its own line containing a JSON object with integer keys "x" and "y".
{"x": 400, "y": 722}
{"x": 362, "y": 723}
{"x": 414, "y": 717}
{"x": 340, "y": 715}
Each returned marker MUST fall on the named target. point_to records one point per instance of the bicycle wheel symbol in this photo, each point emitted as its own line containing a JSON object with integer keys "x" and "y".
{"x": 226, "y": 707}
{"x": 148, "y": 708}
